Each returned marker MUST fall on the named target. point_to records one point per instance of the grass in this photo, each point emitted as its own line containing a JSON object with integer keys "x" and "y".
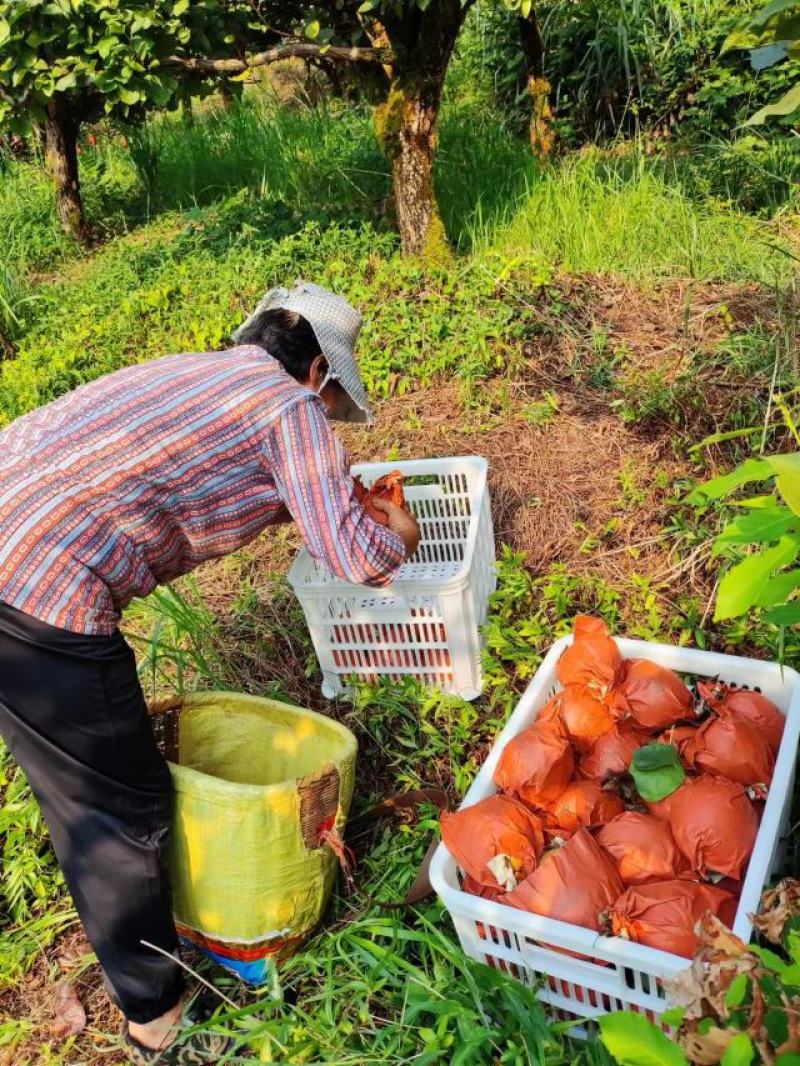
{"x": 197, "y": 220}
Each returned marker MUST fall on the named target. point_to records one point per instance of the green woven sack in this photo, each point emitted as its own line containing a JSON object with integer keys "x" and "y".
{"x": 263, "y": 790}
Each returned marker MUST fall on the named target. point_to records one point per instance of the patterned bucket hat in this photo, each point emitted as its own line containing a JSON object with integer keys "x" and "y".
{"x": 336, "y": 325}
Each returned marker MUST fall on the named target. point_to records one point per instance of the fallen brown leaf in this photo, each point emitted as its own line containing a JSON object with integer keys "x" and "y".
{"x": 706, "y": 1049}
{"x": 69, "y": 1016}
{"x": 777, "y": 906}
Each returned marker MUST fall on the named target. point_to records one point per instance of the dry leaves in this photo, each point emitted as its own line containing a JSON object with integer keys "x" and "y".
{"x": 69, "y": 1017}
{"x": 777, "y": 906}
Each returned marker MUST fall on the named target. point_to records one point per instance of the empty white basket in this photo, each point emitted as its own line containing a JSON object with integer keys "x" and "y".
{"x": 526, "y": 946}
{"x": 426, "y": 624}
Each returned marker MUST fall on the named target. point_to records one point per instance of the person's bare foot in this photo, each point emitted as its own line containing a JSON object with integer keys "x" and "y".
{"x": 161, "y": 1031}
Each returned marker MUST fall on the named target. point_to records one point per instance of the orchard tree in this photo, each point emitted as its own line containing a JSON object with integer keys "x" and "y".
{"x": 66, "y": 62}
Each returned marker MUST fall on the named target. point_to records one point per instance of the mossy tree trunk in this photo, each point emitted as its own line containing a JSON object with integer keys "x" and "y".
{"x": 422, "y": 43}
{"x": 61, "y": 153}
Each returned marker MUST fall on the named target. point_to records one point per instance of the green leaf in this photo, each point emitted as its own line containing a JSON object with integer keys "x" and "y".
{"x": 786, "y": 615}
{"x": 788, "y": 1058}
{"x": 5, "y": 30}
{"x": 739, "y": 1052}
{"x": 312, "y": 29}
{"x": 787, "y": 105}
{"x": 769, "y": 958}
{"x": 737, "y": 990}
{"x": 778, "y": 589}
{"x": 106, "y": 46}
{"x": 787, "y": 468}
{"x": 180, "y": 7}
{"x": 763, "y": 525}
{"x": 656, "y": 770}
{"x": 129, "y": 96}
{"x": 767, "y": 55}
{"x": 633, "y": 1040}
{"x": 66, "y": 81}
{"x": 744, "y": 583}
{"x": 749, "y": 470}
{"x": 367, "y": 6}
{"x": 673, "y": 1017}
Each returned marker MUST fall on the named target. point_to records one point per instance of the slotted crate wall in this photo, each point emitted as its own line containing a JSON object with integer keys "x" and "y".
{"x": 586, "y": 974}
{"x": 426, "y": 624}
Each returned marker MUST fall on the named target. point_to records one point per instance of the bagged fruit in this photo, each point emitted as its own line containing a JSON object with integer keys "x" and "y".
{"x": 714, "y": 825}
{"x": 387, "y": 487}
{"x": 584, "y": 803}
{"x": 652, "y": 695}
{"x": 585, "y": 717}
{"x": 756, "y": 709}
{"x": 475, "y": 888}
{"x": 575, "y": 883}
{"x": 592, "y": 659}
{"x": 612, "y": 752}
{"x": 663, "y": 914}
{"x": 496, "y": 842}
{"x": 537, "y": 764}
{"x": 730, "y": 747}
{"x": 549, "y": 717}
{"x": 642, "y": 846}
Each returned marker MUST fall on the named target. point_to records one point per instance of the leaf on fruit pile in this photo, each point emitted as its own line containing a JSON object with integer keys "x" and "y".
{"x": 69, "y": 1017}
{"x": 778, "y": 905}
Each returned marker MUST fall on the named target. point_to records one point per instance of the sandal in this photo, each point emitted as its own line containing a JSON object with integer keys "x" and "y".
{"x": 195, "y": 1049}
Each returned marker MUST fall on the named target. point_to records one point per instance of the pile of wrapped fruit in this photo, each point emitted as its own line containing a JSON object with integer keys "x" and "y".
{"x": 630, "y": 806}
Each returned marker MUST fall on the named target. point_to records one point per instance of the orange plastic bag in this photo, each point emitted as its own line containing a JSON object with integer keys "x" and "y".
{"x": 592, "y": 659}
{"x": 549, "y": 717}
{"x": 475, "y": 888}
{"x": 756, "y": 709}
{"x": 387, "y": 487}
{"x": 537, "y": 764}
{"x": 585, "y": 717}
{"x": 642, "y": 846}
{"x": 654, "y": 696}
{"x": 663, "y": 914}
{"x": 730, "y": 747}
{"x": 584, "y": 803}
{"x": 714, "y": 825}
{"x": 575, "y": 883}
{"x": 612, "y": 752}
{"x": 496, "y": 842}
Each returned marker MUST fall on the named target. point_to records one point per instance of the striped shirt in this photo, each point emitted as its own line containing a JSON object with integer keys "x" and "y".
{"x": 142, "y": 475}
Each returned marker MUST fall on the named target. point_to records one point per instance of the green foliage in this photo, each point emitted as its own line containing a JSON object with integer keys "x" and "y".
{"x": 772, "y": 36}
{"x": 104, "y": 55}
{"x": 633, "y": 1040}
{"x": 773, "y": 527}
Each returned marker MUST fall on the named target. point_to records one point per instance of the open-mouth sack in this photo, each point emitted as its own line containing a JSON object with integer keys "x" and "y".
{"x": 263, "y": 790}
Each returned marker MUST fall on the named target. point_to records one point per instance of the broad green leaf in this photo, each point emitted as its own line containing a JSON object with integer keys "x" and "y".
{"x": 5, "y": 30}
{"x": 776, "y": 7}
{"x": 312, "y": 29}
{"x": 739, "y": 1052}
{"x": 656, "y": 770}
{"x": 129, "y": 96}
{"x": 749, "y": 470}
{"x": 66, "y": 81}
{"x": 785, "y": 615}
{"x": 755, "y": 501}
{"x": 106, "y": 46}
{"x": 788, "y": 1058}
{"x": 180, "y": 7}
{"x": 770, "y": 959}
{"x": 764, "y": 525}
{"x": 744, "y": 583}
{"x": 633, "y": 1040}
{"x": 779, "y": 589}
{"x": 787, "y": 105}
{"x": 737, "y": 990}
{"x": 768, "y": 55}
{"x": 674, "y": 1016}
{"x": 787, "y": 469}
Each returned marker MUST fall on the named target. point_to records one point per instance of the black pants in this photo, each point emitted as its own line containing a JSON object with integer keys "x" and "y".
{"x": 73, "y": 715}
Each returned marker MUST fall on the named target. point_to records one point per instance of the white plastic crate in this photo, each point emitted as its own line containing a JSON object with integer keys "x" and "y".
{"x": 426, "y": 624}
{"x": 625, "y": 976}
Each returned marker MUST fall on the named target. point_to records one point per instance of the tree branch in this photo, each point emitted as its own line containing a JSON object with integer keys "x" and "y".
{"x": 298, "y": 49}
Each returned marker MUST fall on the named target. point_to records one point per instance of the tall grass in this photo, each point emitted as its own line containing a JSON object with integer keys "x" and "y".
{"x": 630, "y": 216}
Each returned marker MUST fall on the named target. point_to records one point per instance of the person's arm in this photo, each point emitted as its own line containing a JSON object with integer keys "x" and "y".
{"x": 311, "y": 475}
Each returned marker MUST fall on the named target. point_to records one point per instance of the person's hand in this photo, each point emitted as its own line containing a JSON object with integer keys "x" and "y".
{"x": 400, "y": 522}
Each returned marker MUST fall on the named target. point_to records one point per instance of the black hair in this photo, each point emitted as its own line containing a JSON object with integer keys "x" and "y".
{"x": 287, "y": 336}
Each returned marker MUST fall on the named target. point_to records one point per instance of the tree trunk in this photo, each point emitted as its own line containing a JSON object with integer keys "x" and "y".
{"x": 61, "y": 154}
{"x": 422, "y": 42}
{"x": 542, "y": 134}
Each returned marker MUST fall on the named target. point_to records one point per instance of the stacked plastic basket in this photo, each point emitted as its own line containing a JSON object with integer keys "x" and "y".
{"x": 426, "y": 624}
